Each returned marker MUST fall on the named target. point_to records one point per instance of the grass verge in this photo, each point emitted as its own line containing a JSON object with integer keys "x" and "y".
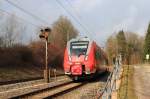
{"x": 126, "y": 90}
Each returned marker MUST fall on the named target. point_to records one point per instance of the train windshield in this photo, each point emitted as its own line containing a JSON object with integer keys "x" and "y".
{"x": 79, "y": 48}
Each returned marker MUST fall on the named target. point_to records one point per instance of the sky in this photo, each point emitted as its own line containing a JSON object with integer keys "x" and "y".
{"x": 101, "y": 18}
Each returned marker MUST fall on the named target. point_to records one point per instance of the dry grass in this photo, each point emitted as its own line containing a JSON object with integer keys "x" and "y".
{"x": 16, "y": 73}
{"x": 23, "y": 62}
{"x": 126, "y": 90}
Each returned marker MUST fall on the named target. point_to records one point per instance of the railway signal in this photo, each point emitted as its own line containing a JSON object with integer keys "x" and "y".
{"x": 45, "y": 34}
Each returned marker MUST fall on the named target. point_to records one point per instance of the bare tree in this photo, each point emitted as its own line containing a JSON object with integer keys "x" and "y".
{"x": 111, "y": 48}
{"x": 63, "y": 30}
{"x": 11, "y": 29}
{"x": 134, "y": 47}
{"x": 1, "y": 41}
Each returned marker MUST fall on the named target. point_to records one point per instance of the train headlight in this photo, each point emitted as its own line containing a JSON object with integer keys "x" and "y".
{"x": 86, "y": 57}
{"x": 87, "y": 71}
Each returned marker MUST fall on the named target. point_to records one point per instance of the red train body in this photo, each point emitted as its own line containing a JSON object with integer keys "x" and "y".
{"x": 83, "y": 57}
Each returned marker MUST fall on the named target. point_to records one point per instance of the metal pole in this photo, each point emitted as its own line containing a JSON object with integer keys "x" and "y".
{"x": 46, "y": 63}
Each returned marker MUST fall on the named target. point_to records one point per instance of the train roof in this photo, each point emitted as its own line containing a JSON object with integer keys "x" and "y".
{"x": 80, "y": 39}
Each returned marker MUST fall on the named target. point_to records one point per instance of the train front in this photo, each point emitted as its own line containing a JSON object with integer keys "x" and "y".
{"x": 76, "y": 59}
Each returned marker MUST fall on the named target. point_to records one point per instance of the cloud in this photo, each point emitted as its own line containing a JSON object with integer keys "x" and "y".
{"x": 86, "y": 5}
{"x": 128, "y": 22}
{"x": 101, "y": 17}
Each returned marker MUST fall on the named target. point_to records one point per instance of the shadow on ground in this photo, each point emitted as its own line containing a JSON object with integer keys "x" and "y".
{"x": 99, "y": 77}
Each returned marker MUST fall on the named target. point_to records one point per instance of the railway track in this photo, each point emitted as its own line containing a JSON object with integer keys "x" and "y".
{"x": 53, "y": 91}
{"x": 82, "y": 89}
{"x": 44, "y": 90}
{"x": 22, "y": 80}
{"x": 7, "y": 87}
{"x": 19, "y": 81}
{"x": 59, "y": 90}
{"x": 16, "y": 90}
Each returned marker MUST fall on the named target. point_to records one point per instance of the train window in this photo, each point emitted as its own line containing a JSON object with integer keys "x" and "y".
{"x": 78, "y": 48}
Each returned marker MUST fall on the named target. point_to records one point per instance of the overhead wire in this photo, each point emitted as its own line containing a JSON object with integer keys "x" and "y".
{"x": 38, "y": 18}
{"x": 75, "y": 19}
{"x": 73, "y": 9}
{"x": 77, "y": 14}
{"x": 4, "y": 11}
{"x": 43, "y": 21}
{"x": 27, "y": 12}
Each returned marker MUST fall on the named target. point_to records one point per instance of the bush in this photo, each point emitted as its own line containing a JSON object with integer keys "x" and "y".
{"x": 16, "y": 55}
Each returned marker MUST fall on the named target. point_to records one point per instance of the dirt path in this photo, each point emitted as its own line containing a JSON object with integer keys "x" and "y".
{"x": 142, "y": 81}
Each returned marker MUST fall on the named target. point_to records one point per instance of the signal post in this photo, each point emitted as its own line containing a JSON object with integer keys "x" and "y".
{"x": 45, "y": 35}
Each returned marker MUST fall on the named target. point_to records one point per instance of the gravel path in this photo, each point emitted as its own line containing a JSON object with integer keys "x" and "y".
{"x": 142, "y": 81}
{"x": 87, "y": 91}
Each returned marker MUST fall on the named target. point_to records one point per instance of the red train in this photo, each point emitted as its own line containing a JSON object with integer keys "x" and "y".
{"x": 83, "y": 58}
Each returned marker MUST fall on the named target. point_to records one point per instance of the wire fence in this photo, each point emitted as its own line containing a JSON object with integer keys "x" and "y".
{"x": 111, "y": 84}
